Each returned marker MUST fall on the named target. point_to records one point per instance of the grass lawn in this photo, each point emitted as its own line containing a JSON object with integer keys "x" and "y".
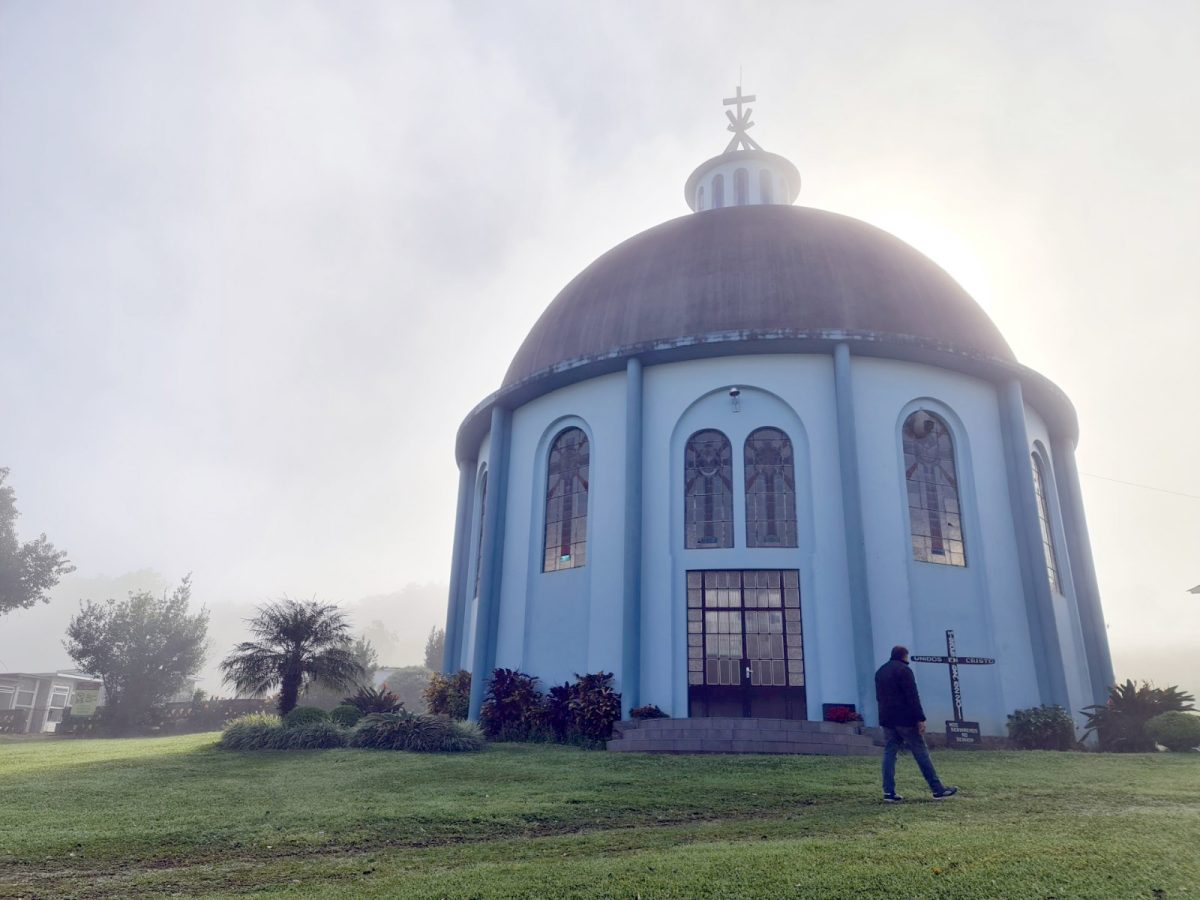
{"x": 120, "y": 818}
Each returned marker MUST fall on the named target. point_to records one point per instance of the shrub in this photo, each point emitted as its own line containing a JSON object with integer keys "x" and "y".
{"x": 1177, "y": 731}
{"x": 1121, "y": 722}
{"x": 252, "y": 732}
{"x": 419, "y": 734}
{"x": 649, "y": 711}
{"x": 408, "y": 683}
{"x": 1042, "y": 728}
{"x": 449, "y": 695}
{"x": 345, "y": 715}
{"x": 317, "y": 735}
{"x": 304, "y": 715}
{"x": 595, "y": 705}
{"x": 369, "y": 700}
{"x": 512, "y": 708}
{"x": 557, "y": 714}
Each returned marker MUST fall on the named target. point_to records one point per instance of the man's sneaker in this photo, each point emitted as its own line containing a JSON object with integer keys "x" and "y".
{"x": 944, "y": 793}
{"x": 892, "y": 798}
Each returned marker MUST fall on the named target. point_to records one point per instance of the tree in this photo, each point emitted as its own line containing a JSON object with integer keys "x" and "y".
{"x": 27, "y": 571}
{"x": 144, "y": 649}
{"x": 1121, "y": 721}
{"x": 297, "y": 643}
{"x": 435, "y": 649}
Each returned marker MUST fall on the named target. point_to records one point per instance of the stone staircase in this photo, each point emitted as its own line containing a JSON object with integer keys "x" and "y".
{"x": 717, "y": 735}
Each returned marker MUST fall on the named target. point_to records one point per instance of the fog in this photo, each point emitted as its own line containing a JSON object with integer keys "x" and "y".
{"x": 258, "y": 260}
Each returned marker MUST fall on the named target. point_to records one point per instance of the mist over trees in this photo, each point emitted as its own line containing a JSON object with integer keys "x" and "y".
{"x": 144, "y": 649}
{"x": 27, "y": 571}
{"x": 435, "y": 649}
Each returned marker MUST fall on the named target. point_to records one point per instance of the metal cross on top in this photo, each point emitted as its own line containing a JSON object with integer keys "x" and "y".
{"x": 740, "y": 123}
{"x": 953, "y": 660}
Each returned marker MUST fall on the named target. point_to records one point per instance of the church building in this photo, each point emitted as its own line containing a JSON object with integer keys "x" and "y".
{"x": 745, "y": 452}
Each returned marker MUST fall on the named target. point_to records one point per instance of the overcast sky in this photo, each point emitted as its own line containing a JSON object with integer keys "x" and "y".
{"x": 258, "y": 260}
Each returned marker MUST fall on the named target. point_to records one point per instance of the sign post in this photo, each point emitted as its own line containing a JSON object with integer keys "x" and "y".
{"x": 959, "y": 733}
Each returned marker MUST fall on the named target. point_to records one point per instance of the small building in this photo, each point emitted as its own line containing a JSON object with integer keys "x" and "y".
{"x": 35, "y": 702}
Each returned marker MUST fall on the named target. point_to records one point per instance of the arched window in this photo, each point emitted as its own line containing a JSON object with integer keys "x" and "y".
{"x": 718, "y": 191}
{"x": 708, "y": 491}
{"x": 1039, "y": 487}
{"x": 699, "y": 198}
{"x": 566, "y": 502}
{"x": 766, "y": 194}
{"x": 770, "y": 490}
{"x": 479, "y": 536}
{"x": 933, "y": 511}
{"x": 741, "y": 187}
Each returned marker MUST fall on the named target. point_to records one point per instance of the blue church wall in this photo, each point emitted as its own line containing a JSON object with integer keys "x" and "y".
{"x": 914, "y": 602}
{"x": 556, "y": 624}
{"x": 1066, "y": 600}
{"x": 786, "y": 392}
{"x": 467, "y": 596}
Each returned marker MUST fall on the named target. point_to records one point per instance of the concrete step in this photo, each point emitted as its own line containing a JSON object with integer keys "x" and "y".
{"x": 729, "y": 735}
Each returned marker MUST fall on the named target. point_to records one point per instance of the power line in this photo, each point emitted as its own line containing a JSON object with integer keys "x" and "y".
{"x": 1146, "y": 487}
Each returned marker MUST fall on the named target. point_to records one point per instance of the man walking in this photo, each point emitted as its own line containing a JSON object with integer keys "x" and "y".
{"x": 903, "y": 723}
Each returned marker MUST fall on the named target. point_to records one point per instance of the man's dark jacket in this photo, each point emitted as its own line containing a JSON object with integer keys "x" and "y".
{"x": 896, "y": 692}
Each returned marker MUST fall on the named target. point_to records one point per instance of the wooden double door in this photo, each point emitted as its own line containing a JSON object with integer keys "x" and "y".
{"x": 745, "y": 644}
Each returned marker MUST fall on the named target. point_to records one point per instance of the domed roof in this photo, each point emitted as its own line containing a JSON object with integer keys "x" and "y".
{"x": 757, "y": 272}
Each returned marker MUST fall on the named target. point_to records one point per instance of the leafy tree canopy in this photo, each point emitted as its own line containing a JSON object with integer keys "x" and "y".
{"x": 296, "y": 643}
{"x": 144, "y": 649}
{"x": 27, "y": 571}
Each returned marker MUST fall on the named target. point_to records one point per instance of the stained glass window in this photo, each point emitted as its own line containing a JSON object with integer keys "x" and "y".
{"x": 708, "y": 491}
{"x": 770, "y": 490}
{"x": 718, "y": 199}
{"x": 741, "y": 187}
{"x": 566, "y": 502}
{"x": 479, "y": 536}
{"x": 1039, "y": 487}
{"x": 765, "y": 192}
{"x": 933, "y": 502}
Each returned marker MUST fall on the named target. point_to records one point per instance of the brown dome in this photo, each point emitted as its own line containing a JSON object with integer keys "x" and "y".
{"x": 755, "y": 271}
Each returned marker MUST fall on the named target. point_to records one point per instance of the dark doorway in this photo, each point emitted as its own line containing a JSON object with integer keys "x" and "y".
{"x": 745, "y": 644}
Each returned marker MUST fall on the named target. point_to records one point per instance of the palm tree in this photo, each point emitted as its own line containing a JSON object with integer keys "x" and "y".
{"x": 296, "y": 642}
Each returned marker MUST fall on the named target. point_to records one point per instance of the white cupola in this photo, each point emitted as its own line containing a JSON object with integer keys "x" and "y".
{"x": 745, "y": 174}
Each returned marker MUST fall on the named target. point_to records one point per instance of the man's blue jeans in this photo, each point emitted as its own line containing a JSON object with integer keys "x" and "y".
{"x": 906, "y": 736}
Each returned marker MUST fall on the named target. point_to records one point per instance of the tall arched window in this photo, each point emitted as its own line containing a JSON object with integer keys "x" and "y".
{"x": 770, "y": 490}
{"x": 699, "y": 198}
{"x": 479, "y": 535}
{"x": 766, "y": 193}
{"x": 708, "y": 491}
{"x": 718, "y": 191}
{"x": 933, "y": 512}
{"x": 1039, "y": 487}
{"x": 567, "y": 501}
{"x": 741, "y": 187}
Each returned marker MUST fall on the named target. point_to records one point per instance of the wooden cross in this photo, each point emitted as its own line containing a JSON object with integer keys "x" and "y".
{"x": 953, "y": 660}
{"x": 740, "y": 123}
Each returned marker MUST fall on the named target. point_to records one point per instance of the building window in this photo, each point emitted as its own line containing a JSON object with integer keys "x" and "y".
{"x": 479, "y": 534}
{"x": 1039, "y": 487}
{"x": 933, "y": 509}
{"x": 708, "y": 491}
{"x": 699, "y": 198}
{"x": 765, "y": 192}
{"x": 718, "y": 191}
{"x": 770, "y": 490}
{"x": 24, "y": 699}
{"x": 6, "y": 696}
{"x": 741, "y": 187}
{"x": 567, "y": 502}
